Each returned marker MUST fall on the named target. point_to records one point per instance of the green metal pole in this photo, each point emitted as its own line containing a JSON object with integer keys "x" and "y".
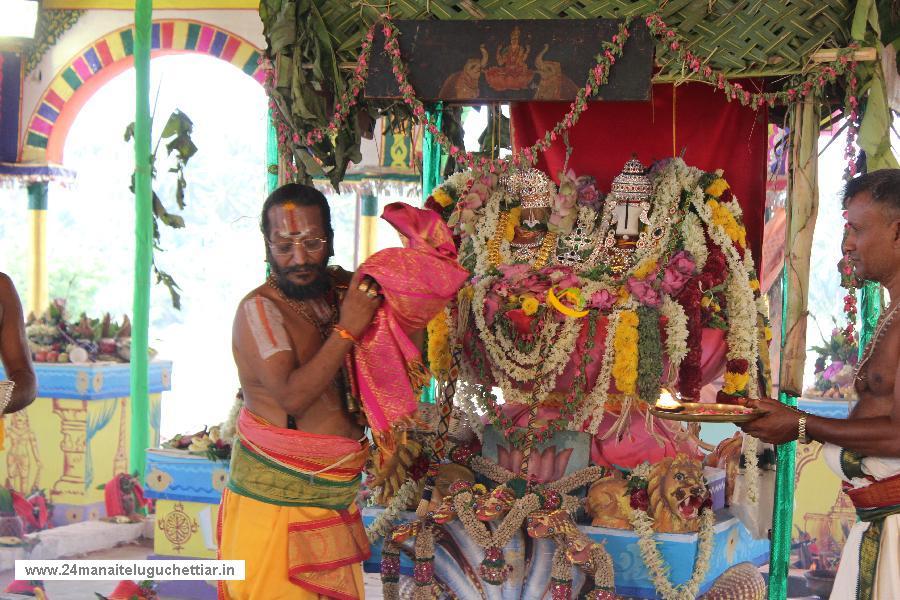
{"x": 869, "y": 311}
{"x": 431, "y": 152}
{"x": 431, "y": 178}
{"x": 783, "y": 509}
{"x": 271, "y": 155}
{"x": 143, "y": 239}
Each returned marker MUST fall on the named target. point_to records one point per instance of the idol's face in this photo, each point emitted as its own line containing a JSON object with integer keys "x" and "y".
{"x": 297, "y": 250}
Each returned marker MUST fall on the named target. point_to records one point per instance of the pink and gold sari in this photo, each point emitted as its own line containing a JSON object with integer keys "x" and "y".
{"x": 417, "y": 282}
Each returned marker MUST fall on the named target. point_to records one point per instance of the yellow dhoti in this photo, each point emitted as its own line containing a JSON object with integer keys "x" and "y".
{"x": 289, "y": 512}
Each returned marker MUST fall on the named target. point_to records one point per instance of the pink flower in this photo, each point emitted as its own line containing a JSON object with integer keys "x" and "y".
{"x": 673, "y": 281}
{"x": 482, "y": 191}
{"x": 683, "y": 262}
{"x": 514, "y": 273}
{"x": 603, "y": 300}
{"x": 644, "y": 292}
{"x": 472, "y": 201}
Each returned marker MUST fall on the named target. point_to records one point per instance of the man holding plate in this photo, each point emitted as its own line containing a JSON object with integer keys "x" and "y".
{"x": 864, "y": 449}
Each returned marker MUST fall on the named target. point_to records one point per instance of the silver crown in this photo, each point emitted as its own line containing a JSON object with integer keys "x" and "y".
{"x": 631, "y": 185}
{"x": 532, "y": 187}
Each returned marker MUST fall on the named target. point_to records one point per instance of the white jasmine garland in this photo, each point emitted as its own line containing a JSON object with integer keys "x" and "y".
{"x": 694, "y": 240}
{"x": 594, "y": 405}
{"x": 751, "y": 469}
{"x": 656, "y": 565}
{"x": 382, "y": 524}
{"x": 676, "y": 333}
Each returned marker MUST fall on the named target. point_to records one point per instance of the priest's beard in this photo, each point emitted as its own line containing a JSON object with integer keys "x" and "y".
{"x": 315, "y": 289}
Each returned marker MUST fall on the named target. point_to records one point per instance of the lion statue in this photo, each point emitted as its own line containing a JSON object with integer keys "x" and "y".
{"x": 677, "y": 493}
{"x": 607, "y": 503}
{"x": 676, "y": 490}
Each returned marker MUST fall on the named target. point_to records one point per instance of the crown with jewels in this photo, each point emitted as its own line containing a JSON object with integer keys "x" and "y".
{"x": 632, "y": 185}
{"x": 532, "y": 187}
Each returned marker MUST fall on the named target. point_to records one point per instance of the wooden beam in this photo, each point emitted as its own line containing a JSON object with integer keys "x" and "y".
{"x": 831, "y": 55}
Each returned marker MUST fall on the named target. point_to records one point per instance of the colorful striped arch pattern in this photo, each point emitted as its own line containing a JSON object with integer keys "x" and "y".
{"x": 168, "y": 35}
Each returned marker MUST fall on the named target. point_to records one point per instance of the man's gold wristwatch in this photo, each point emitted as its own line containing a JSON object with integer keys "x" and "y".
{"x": 801, "y": 431}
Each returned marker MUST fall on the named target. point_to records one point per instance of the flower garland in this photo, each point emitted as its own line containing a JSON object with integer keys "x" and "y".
{"x": 694, "y": 240}
{"x": 696, "y": 67}
{"x": 751, "y": 468}
{"x": 722, "y": 214}
{"x": 594, "y": 406}
{"x": 625, "y": 343}
{"x": 675, "y": 322}
{"x": 439, "y": 357}
{"x": 383, "y": 523}
{"x": 650, "y": 367}
{"x": 656, "y": 565}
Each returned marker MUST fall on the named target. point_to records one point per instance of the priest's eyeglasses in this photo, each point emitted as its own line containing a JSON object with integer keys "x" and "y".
{"x": 285, "y": 247}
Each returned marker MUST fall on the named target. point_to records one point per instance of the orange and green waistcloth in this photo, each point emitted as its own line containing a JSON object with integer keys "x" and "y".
{"x": 309, "y": 482}
{"x": 287, "y": 467}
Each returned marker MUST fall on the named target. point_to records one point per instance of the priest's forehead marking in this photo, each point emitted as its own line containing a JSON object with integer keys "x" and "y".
{"x": 287, "y": 216}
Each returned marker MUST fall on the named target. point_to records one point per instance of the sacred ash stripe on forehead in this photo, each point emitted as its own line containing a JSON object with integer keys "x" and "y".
{"x": 290, "y": 228}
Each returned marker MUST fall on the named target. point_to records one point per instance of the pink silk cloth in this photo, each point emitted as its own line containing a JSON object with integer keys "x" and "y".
{"x": 417, "y": 282}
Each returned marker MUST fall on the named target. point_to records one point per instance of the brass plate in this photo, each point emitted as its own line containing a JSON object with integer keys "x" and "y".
{"x": 712, "y": 413}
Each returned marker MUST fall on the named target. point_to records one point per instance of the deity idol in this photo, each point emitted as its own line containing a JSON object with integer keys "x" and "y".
{"x": 568, "y": 292}
{"x": 578, "y": 311}
{"x": 512, "y": 72}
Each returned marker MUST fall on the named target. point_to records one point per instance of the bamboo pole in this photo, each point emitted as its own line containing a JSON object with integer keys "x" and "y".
{"x": 803, "y": 202}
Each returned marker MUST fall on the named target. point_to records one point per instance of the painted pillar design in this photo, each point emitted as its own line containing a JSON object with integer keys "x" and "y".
{"x": 73, "y": 445}
{"x": 38, "y": 279}
{"x": 368, "y": 225}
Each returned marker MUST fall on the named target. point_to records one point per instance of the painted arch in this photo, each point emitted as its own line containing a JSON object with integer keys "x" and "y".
{"x": 108, "y": 56}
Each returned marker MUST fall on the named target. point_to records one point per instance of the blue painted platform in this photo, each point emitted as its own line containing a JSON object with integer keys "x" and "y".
{"x": 96, "y": 381}
{"x": 177, "y": 475}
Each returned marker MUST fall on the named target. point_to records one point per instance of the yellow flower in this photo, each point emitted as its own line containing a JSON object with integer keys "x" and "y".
{"x": 626, "y": 335}
{"x": 625, "y": 363}
{"x": 530, "y": 305}
{"x": 644, "y": 268}
{"x": 767, "y": 331}
{"x": 704, "y": 302}
{"x": 754, "y": 285}
{"x": 512, "y": 221}
{"x": 442, "y": 197}
{"x": 735, "y": 382}
{"x": 624, "y": 296}
{"x": 438, "y": 344}
{"x": 628, "y": 317}
{"x": 716, "y": 188}
{"x": 722, "y": 217}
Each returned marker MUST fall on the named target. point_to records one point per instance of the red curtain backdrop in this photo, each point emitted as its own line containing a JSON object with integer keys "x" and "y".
{"x": 714, "y": 134}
